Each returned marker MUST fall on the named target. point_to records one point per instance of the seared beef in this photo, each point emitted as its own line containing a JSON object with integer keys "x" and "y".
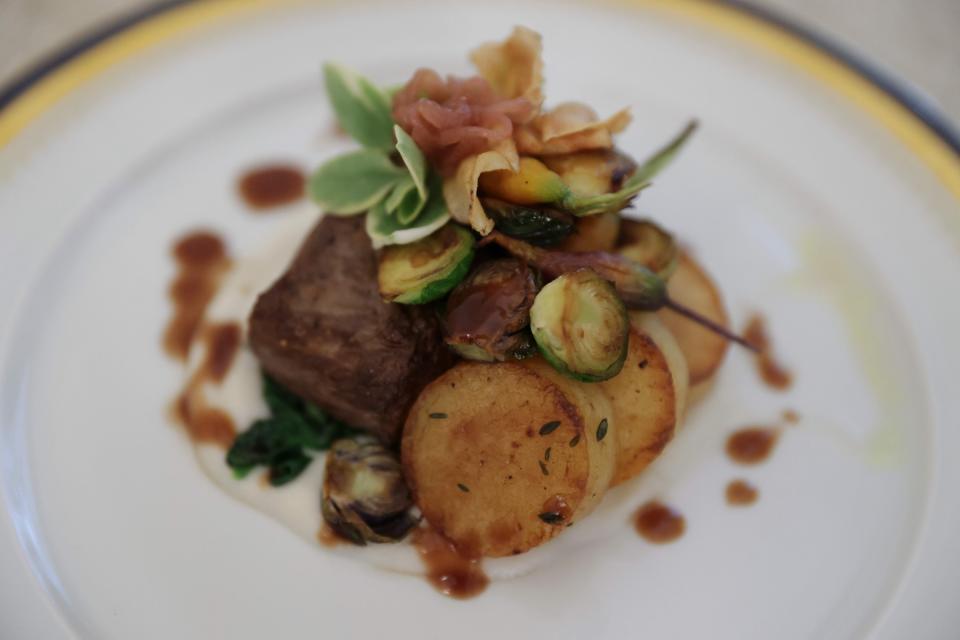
{"x": 323, "y": 331}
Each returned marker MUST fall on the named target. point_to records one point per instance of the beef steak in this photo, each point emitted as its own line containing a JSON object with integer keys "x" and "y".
{"x": 323, "y": 331}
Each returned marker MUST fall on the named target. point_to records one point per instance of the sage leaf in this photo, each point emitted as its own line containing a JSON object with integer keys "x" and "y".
{"x": 413, "y": 159}
{"x": 363, "y": 110}
{"x": 384, "y": 229}
{"x": 396, "y": 196}
{"x": 351, "y": 183}
{"x": 410, "y": 208}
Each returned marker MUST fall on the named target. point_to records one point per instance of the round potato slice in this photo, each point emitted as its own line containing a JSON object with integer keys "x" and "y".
{"x": 500, "y": 457}
{"x": 648, "y": 395}
{"x": 704, "y": 350}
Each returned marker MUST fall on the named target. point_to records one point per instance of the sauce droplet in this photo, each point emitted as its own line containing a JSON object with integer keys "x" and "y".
{"x": 741, "y": 493}
{"x": 448, "y": 570}
{"x": 658, "y": 523}
{"x": 751, "y": 445}
{"x": 774, "y": 374}
{"x": 223, "y": 342}
{"x": 202, "y": 260}
{"x": 556, "y": 511}
{"x": 271, "y": 186}
{"x": 790, "y": 416}
{"x": 327, "y": 537}
{"x": 202, "y": 422}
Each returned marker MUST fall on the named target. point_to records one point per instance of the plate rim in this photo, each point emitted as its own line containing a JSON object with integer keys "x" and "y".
{"x": 913, "y": 118}
{"x": 923, "y": 133}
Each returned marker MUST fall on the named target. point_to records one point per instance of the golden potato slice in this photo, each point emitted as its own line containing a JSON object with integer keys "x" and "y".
{"x": 501, "y": 457}
{"x": 648, "y": 395}
{"x": 593, "y": 233}
{"x": 704, "y": 350}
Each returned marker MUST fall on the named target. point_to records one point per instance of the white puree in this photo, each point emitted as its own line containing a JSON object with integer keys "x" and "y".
{"x": 297, "y": 504}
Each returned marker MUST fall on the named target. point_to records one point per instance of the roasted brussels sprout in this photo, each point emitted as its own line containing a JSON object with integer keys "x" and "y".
{"x": 581, "y": 326}
{"x": 541, "y": 226}
{"x": 592, "y": 173}
{"x": 586, "y": 203}
{"x": 534, "y": 183}
{"x": 365, "y": 498}
{"x": 425, "y": 270}
{"x": 487, "y": 314}
{"x": 645, "y": 242}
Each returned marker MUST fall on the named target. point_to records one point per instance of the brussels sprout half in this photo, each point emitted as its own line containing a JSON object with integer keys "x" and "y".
{"x": 365, "y": 498}
{"x": 581, "y": 326}
{"x": 427, "y": 269}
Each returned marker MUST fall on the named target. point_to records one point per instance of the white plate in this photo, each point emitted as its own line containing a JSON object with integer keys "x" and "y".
{"x": 811, "y": 194}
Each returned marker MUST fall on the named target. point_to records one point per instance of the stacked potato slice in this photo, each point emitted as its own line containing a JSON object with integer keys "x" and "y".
{"x": 502, "y": 457}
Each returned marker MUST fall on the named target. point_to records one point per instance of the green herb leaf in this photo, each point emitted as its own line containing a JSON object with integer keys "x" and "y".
{"x": 410, "y": 207}
{"x": 353, "y": 182}
{"x": 413, "y": 159}
{"x": 242, "y": 472}
{"x": 602, "y": 430}
{"x": 287, "y": 466}
{"x": 384, "y": 229}
{"x": 400, "y": 191}
{"x": 549, "y": 427}
{"x": 363, "y": 110}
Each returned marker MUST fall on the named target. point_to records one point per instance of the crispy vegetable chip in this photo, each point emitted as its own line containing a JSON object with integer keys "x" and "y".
{"x": 567, "y": 128}
{"x": 513, "y": 67}
{"x": 460, "y": 190}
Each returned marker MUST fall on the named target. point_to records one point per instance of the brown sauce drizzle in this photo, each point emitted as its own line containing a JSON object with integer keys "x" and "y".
{"x": 790, "y": 416}
{"x": 271, "y": 186}
{"x": 751, "y": 445}
{"x": 223, "y": 342}
{"x": 204, "y": 423}
{"x": 202, "y": 260}
{"x": 448, "y": 570}
{"x": 741, "y": 493}
{"x": 327, "y": 537}
{"x": 658, "y": 523}
{"x": 774, "y": 374}
{"x": 556, "y": 510}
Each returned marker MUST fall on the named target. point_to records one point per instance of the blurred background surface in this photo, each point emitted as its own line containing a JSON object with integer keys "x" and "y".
{"x": 917, "y": 40}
